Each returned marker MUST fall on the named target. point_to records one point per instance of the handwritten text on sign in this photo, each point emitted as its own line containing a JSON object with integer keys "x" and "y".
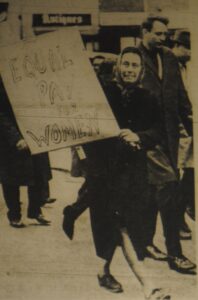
{"x": 55, "y": 94}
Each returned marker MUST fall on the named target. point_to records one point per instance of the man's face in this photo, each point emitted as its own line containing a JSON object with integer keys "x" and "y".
{"x": 157, "y": 36}
{"x": 96, "y": 63}
{"x": 130, "y": 67}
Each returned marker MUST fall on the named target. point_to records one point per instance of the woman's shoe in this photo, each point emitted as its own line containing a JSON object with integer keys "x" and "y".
{"x": 158, "y": 294}
{"x": 42, "y": 220}
{"x": 110, "y": 283}
{"x": 17, "y": 224}
{"x": 49, "y": 201}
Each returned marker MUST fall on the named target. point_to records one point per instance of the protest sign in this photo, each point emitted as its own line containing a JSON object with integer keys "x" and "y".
{"x": 54, "y": 92}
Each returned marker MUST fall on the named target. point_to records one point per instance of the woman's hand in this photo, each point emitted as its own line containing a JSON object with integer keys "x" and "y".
{"x": 131, "y": 138}
{"x": 22, "y": 145}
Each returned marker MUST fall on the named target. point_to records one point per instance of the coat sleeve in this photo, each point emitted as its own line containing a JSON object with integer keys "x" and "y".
{"x": 9, "y": 130}
{"x": 184, "y": 106}
{"x": 8, "y": 126}
{"x": 152, "y": 136}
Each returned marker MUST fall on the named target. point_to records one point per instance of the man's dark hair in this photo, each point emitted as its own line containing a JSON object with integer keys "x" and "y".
{"x": 148, "y": 23}
{"x": 182, "y": 37}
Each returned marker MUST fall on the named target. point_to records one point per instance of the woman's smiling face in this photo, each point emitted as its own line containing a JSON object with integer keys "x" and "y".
{"x": 130, "y": 67}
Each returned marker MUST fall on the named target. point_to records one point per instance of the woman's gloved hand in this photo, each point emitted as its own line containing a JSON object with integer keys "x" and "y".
{"x": 22, "y": 145}
{"x": 130, "y": 138}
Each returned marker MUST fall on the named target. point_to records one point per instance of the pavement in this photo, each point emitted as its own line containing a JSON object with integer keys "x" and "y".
{"x": 40, "y": 262}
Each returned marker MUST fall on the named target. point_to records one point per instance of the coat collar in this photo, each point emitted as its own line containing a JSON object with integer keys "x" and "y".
{"x": 148, "y": 61}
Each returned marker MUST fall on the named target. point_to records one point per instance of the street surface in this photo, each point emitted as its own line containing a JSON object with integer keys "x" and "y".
{"x": 41, "y": 263}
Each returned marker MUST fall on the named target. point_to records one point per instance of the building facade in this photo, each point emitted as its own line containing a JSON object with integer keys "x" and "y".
{"x": 105, "y": 25}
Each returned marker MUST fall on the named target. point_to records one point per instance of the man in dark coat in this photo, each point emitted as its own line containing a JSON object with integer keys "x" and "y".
{"x": 19, "y": 168}
{"x": 163, "y": 79}
{"x": 182, "y": 51}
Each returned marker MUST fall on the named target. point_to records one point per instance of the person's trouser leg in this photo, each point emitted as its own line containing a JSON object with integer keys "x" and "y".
{"x": 188, "y": 190}
{"x": 186, "y": 196}
{"x": 167, "y": 196}
{"x": 34, "y": 196}
{"x": 45, "y": 191}
{"x": 11, "y": 195}
{"x": 82, "y": 202}
{"x": 150, "y": 212}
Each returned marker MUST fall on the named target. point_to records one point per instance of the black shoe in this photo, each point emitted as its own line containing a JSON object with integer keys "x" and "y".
{"x": 42, "y": 220}
{"x": 17, "y": 224}
{"x": 68, "y": 221}
{"x": 185, "y": 227}
{"x": 182, "y": 265}
{"x": 110, "y": 283}
{"x": 191, "y": 212}
{"x": 154, "y": 253}
{"x": 49, "y": 201}
{"x": 185, "y": 235}
{"x": 158, "y": 294}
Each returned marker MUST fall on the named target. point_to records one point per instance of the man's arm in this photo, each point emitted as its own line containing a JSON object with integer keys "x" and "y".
{"x": 185, "y": 106}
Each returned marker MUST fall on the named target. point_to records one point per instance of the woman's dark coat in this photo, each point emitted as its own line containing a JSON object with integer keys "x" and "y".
{"x": 17, "y": 167}
{"x": 116, "y": 174}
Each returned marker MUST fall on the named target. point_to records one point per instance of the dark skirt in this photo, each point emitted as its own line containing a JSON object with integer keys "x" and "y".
{"x": 118, "y": 200}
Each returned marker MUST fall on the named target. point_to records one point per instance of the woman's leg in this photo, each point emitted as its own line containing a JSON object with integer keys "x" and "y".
{"x": 131, "y": 256}
{"x": 138, "y": 268}
{"x": 105, "y": 234}
{"x": 105, "y": 266}
{"x": 105, "y": 277}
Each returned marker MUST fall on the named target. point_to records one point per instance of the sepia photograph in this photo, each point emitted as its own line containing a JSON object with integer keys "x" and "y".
{"x": 98, "y": 149}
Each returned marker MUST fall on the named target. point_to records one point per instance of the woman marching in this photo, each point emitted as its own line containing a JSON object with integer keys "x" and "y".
{"x": 116, "y": 173}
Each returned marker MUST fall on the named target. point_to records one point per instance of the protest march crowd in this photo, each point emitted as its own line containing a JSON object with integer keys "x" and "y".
{"x": 129, "y": 178}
